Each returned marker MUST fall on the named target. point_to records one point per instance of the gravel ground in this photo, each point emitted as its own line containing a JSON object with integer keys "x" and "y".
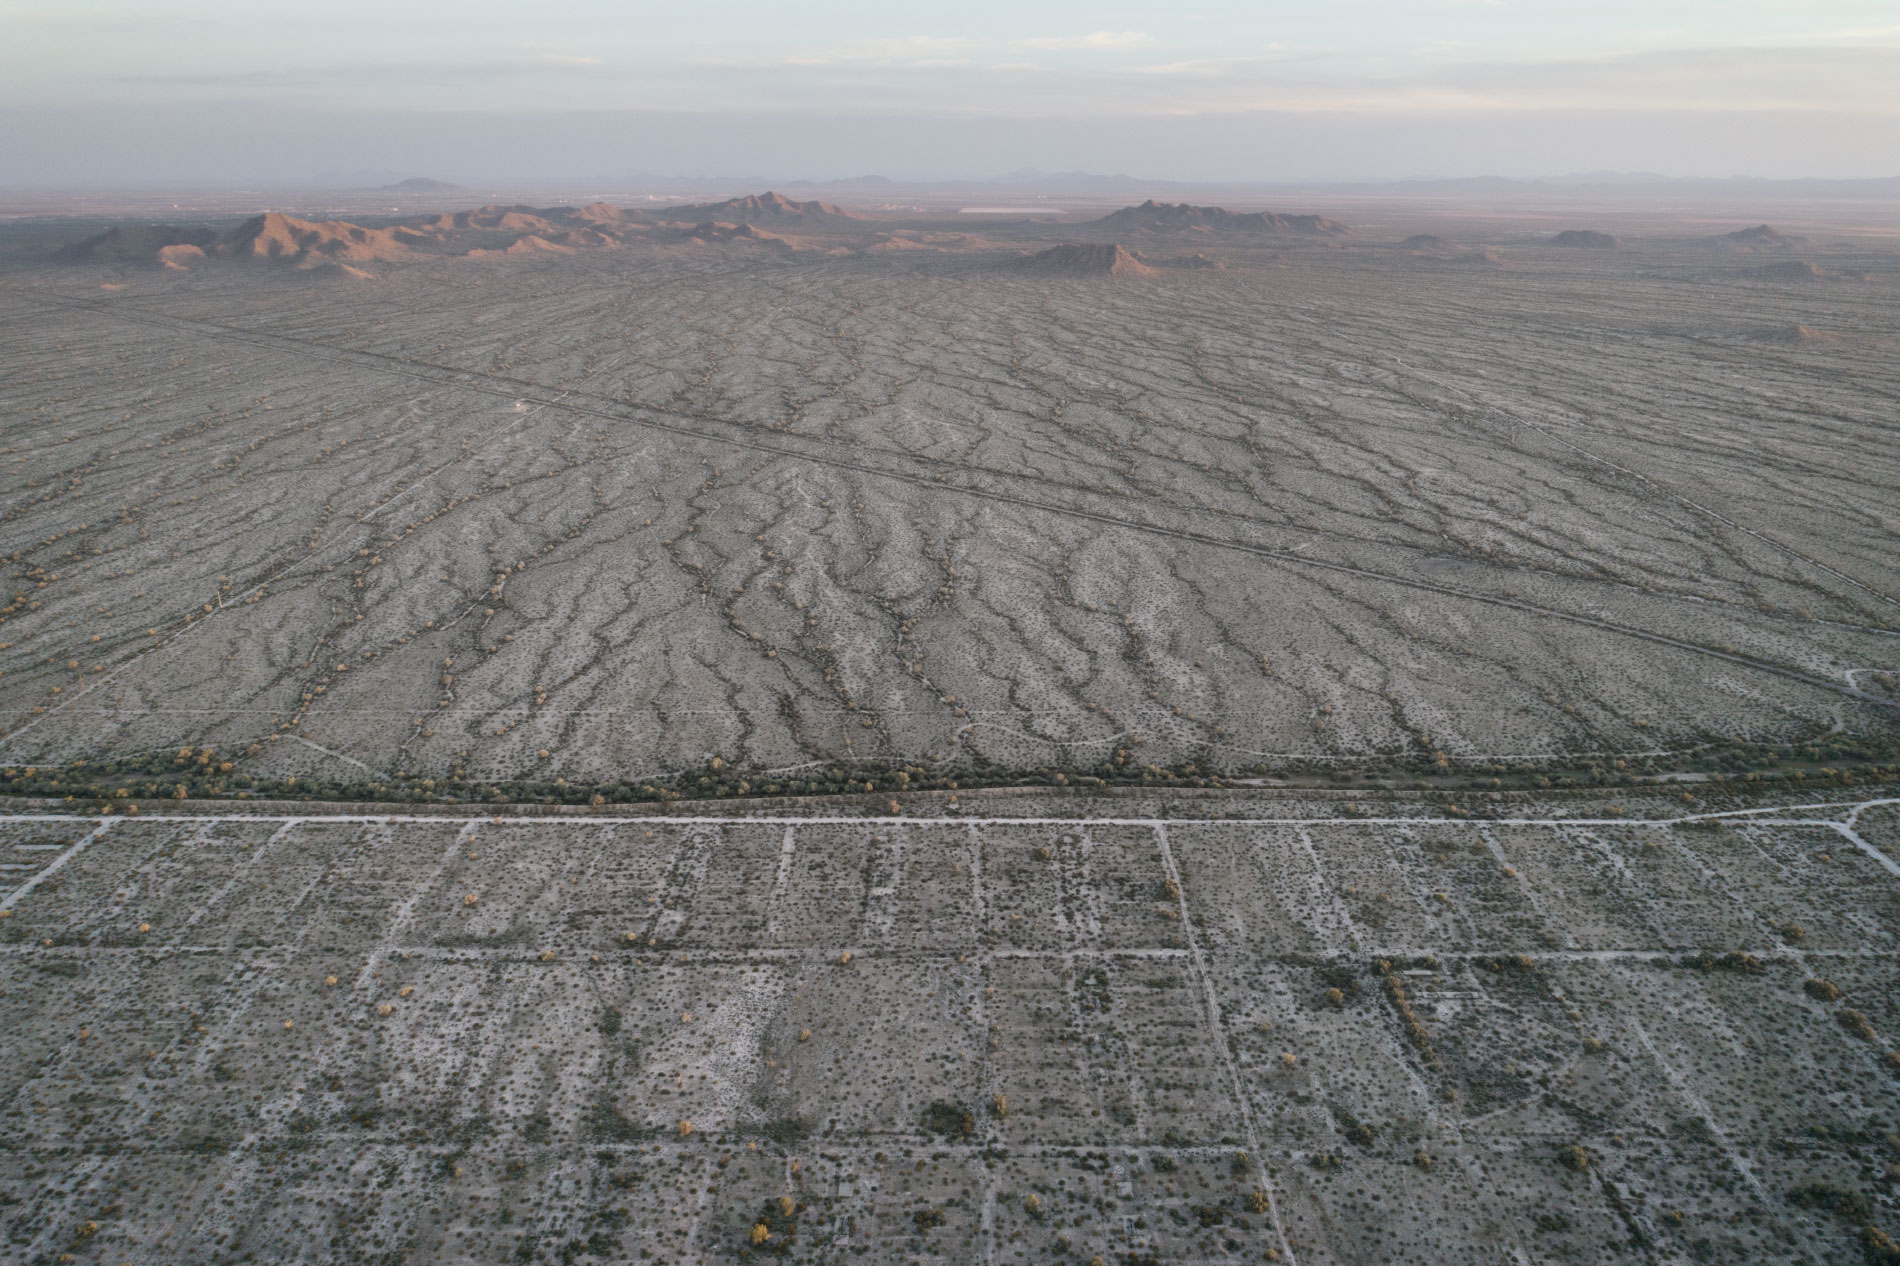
{"x": 635, "y": 510}
{"x": 1576, "y": 1030}
{"x": 709, "y": 518}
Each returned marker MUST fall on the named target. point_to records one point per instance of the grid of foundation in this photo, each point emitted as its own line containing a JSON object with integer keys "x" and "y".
{"x": 449, "y": 1039}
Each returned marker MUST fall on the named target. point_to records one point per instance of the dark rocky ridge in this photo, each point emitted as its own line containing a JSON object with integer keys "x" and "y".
{"x": 1181, "y": 217}
{"x": 1587, "y": 239}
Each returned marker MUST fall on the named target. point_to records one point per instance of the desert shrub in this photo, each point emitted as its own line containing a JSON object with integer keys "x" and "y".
{"x": 1409, "y": 1022}
{"x": 1830, "y": 1197}
{"x": 787, "y": 1130}
{"x": 1734, "y": 960}
{"x": 1856, "y": 1023}
{"x": 606, "y": 1124}
{"x": 949, "y": 1119}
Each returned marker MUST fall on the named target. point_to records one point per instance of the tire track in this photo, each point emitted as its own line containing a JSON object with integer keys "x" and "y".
{"x": 741, "y": 435}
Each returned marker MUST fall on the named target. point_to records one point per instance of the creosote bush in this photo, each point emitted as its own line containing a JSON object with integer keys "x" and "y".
{"x": 951, "y": 1120}
{"x": 1857, "y": 1024}
{"x": 1409, "y": 1022}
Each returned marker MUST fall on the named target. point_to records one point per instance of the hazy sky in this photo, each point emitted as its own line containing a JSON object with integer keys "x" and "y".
{"x": 473, "y": 89}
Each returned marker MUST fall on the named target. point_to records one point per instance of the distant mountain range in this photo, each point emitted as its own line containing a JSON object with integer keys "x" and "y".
{"x": 1587, "y": 239}
{"x": 1179, "y": 217}
{"x": 1761, "y": 238}
{"x": 422, "y": 184}
{"x": 343, "y": 246}
{"x": 1568, "y": 187}
{"x": 765, "y": 208}
{"x": 1101, "y": 259}
{"x": 1084, "y": 259}
{"x": 1877, "y": 187}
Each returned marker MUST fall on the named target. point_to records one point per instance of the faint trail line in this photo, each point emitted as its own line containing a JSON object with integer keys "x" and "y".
{"x": 1736, "y": 1160}
{"x": 348, "y": 760}
{"x": 394, "y": 815}
{"x": 788, "y": 848}
{"x": 1518, "y": 420}
{"x": 469, "y": 456}
{"x": 242, "y": 871}
{"x": 473, "y": 380}
{"x": 46, "y": 872}
{"x": 1848, "y": 833}
{"x": 1216, "y": 1032}
{"x": 828, "y": 952}
{"x": 278, "y": 572}
{"x": 519, "y": 391}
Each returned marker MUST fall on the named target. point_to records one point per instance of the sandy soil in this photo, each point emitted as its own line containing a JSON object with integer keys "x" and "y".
{"x": 1330, "y": 504}
{"x": 1550, "y": 1030}
{"x": 714, "y": 510}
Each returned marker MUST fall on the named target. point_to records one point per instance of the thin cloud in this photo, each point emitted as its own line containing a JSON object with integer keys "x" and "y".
{"x": 1205, "y": 68}
{"x": 1875, "y": 35}
{"x": 1094, "y": 40}
{"x": 905, "y": 49}
{"x": 946, "y": 78}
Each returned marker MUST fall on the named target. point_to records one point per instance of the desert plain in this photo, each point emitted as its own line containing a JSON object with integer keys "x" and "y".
{"x": 778, "y": 730}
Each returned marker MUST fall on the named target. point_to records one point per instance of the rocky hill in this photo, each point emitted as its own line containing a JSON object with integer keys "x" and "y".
{"x": 767, "y": 208}
{"x": 1586, "y": 239}
{"x": 1153, "y": 217}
